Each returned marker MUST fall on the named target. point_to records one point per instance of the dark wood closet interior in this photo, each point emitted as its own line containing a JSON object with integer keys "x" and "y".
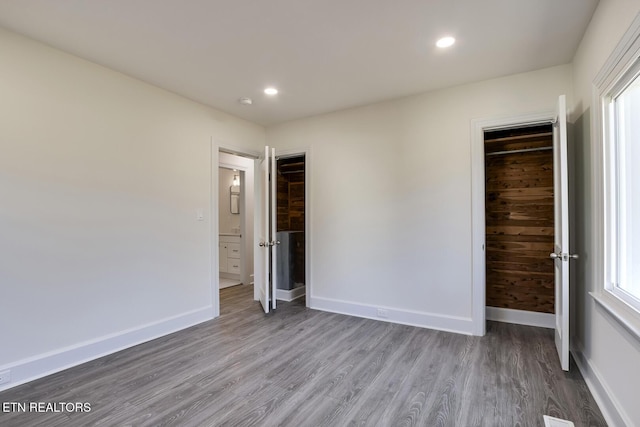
{"x": 290, "y": 206}
{"x": 290, "y": 199}
{"x": 519, "y": 218}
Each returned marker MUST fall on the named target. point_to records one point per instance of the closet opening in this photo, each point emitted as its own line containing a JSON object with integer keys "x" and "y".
{"x": 519, "y": 225}
{"x": 290, "y": 228}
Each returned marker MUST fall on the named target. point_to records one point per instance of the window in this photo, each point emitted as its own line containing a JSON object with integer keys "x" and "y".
{"x": 615, "y": 202}
{"x": 622, "y": 188}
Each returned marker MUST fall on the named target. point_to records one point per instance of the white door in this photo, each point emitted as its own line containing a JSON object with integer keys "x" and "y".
{"x": 265, "y": 260}
{"x": 561, "y": 234}
{"x": 261, "y": 260}
{"x": 272, "y": 225}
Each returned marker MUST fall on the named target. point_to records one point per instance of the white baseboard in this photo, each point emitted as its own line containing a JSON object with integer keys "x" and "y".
{"x": 521, "y": 317}
{"x": 610, "y": 408}
{"x": 49, "y": 363}
{"x": 460, "y": 325}
{"x": 227, "y": 283}
{"x": 290, "y": 295}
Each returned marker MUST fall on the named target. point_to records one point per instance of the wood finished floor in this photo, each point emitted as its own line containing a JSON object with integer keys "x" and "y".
{"x": 301, "y": 367}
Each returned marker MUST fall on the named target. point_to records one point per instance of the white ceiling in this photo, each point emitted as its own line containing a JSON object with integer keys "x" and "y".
{"x": 323, "y": 55}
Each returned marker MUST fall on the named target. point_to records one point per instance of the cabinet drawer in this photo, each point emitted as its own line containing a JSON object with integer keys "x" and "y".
{"x": 233, "y": 250}
{"x": 233, "y": 266}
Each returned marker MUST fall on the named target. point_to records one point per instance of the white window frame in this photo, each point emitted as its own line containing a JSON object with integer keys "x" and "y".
{"x": 612, "y": 172}
{"x": 615, "y": 76}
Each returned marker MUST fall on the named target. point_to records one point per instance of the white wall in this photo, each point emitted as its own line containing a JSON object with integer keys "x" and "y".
{"x": 609, "y": 356}
{"x": 227, "y": 220}
{"x": 100, "y": 179}
{"x": 391, "y": 196}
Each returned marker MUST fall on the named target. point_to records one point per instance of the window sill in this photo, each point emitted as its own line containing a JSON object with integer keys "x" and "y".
{"x": 621, "y": 312}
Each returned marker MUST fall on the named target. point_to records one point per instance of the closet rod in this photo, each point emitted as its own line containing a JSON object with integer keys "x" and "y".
{"x": 523, "y": 150}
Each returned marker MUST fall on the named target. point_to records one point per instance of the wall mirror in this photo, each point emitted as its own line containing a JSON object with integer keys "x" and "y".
{"x": 234, "y": 192}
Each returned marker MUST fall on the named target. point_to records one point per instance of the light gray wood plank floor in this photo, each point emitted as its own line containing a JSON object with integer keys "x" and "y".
{"x": 301, "y": 367}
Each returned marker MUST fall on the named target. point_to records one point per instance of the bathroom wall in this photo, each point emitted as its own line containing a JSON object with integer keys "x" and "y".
{"x": 229, "y": 223}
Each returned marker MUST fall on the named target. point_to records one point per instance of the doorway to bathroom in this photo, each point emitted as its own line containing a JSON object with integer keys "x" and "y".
{"x": 235, "y": 209}
{"x": 230, "y": 227}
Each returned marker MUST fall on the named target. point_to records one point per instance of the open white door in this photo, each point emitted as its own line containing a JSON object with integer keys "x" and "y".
{"x": 265, "y": 260}
{"x": 561, "y": 234}
{"x": 261, "y": 263}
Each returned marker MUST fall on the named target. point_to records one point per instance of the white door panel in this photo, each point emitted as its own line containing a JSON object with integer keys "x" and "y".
{"x": 561, "y": 233}
{"x": 265, "y": 261}
{"x": 261, "y": 260}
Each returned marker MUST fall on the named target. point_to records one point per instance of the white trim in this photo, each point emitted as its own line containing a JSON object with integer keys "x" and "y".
{"x": 290, "y": 295}
{"x": 478, "y": 264}
{"x": 618, "y": 61}
{"x": 238, "y": 151}
{"x": 214, "y": 228}
{"x": 619, "y": 310}
{"x": 49, "y": 363}
{"x": 460, "y": 325}
{"x": 521, "y": 317}
{"x": 611, "y": 409}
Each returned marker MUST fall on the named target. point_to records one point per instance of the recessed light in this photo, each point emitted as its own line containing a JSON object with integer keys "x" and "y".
{"x": 445, "y": 42}
{"x": 271, "y": 91}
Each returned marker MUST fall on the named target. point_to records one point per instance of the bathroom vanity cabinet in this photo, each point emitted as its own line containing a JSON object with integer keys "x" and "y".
{"x": 230, "y": 260}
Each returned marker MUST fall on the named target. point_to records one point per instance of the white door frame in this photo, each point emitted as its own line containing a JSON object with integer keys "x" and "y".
{"x": 216, "y": 148}
{"x": 478, "y": 230}
{"x": 308, "y": 238}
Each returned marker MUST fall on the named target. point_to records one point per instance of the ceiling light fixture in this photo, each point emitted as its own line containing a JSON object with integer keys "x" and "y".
{"x": 445, "y": 42}
{"x": 271, "y": 91}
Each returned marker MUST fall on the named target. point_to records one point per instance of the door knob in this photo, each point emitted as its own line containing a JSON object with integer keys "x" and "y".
{"x": 263, "y": 244}
{"x": 563, "y": 256}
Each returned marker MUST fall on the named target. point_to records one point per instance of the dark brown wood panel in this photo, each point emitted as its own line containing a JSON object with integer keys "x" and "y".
{"x": 291, "y": 196}
{"x": 519, "y": 222}
{"x": 296, "y": 204}
{"x": 282, "y": 203}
